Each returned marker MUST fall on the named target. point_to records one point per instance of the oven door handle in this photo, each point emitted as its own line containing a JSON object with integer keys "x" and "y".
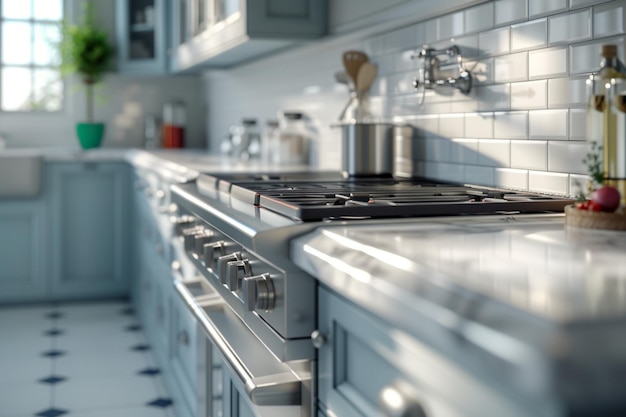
{"x": 267, "y": 383}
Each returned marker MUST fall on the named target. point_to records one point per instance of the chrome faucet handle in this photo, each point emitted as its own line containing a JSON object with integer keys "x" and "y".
{"x": 427, "y": 73}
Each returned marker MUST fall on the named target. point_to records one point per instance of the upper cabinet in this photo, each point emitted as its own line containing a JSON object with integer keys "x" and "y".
{"x": 222, "y": 33}
{"x": 141, "y": 33}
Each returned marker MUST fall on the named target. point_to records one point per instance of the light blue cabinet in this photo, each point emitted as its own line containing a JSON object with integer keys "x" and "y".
{"x": 22, "y": 251}
{"x": 141, "y": 36}
{"x": 222, "y": 33}
{"x": 89, "y": 238}
{"x": 365, "y": 364}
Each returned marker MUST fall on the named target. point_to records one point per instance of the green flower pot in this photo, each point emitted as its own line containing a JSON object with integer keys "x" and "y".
{"x": 90, "y": 134}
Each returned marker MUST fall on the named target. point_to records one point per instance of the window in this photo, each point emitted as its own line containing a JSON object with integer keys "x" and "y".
{"x": 30, "y": 78}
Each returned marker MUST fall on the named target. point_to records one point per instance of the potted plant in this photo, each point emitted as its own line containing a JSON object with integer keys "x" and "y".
{"x": 87, "y": 52}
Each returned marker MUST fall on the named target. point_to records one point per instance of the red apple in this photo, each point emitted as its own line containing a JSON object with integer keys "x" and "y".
{"x": 607, "y": 197}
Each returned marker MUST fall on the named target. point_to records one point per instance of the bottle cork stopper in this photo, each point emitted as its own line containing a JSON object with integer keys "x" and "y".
{"x": 609, "y": 51}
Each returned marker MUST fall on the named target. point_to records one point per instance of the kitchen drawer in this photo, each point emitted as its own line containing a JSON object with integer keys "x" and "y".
{"x": 366, "y": 367}
{"x": 184, "y": 351}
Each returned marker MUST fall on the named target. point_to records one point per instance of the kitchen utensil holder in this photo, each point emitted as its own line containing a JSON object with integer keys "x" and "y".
{"x": 430, "y": 75}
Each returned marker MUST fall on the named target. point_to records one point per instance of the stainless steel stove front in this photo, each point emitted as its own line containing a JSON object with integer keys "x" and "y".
{"x": 257, "y": 313}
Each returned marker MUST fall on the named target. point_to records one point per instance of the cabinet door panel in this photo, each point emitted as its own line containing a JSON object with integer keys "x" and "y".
{"x": 21, "y": 240}
{"x": 286, "y": 18}
{"x": 141, "y": 30}
{"x": 89, "y": 226}
{"x": 363, "y": 359}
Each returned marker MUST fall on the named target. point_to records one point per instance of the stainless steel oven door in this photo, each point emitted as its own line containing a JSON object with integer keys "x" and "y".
{"x": 255, "y": 378}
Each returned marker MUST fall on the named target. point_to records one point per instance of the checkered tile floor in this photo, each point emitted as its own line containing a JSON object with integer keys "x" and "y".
{"x": 78, "y": 360}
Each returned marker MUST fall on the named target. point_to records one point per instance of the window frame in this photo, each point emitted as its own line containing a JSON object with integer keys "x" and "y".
{"x": 32, "y": 66}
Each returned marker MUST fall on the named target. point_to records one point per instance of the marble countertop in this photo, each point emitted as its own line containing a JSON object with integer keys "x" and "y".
{"x": 533, "y": 262}
{"x": 518, "y": 298}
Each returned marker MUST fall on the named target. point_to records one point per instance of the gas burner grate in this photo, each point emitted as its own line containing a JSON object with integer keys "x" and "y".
{"x": 312, "y": 199}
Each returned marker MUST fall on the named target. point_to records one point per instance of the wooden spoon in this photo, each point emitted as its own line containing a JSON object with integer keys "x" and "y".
{"x": 352, "y": 61}
{"x": 365, "y": 78}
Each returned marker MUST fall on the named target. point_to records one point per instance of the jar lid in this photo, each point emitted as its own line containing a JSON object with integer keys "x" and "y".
{"x": 248, "y": 122}
{"x": 292, "y": 115}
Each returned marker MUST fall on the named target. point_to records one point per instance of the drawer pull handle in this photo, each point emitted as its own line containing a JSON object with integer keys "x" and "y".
{"x": 318, "y": 339}
{"x": 400, "y": 400}
{"x": 273, "y": 387}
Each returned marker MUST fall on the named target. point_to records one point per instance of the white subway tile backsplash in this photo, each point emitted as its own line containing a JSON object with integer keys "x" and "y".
{"x": 400, "y": 84}
{"x": 492, "y": 97}
{"x": 438, "y": 149}
{"x": 546, "y": 63}
{"x": 479, "y": 125}
{"x": 478, "y": 175}
{"x": 575, "y": 4}
{"x": 548, "y": 182}
{"x": 451, "y": 25}
{"x": 578, "y": 184}
{"x": 548, "y": 124}
{"x": 567, "y": 157}
{"x": 428, "y": 126}
{"x": 374, "y": 46}
{"x": 569, "y": 28}
{"x": 384, "y": 64}
{"x": 511, "y": 125}
{"x": 512, "y": 67}
{"x": 566, "y": 92}
{"x": 420, "y": 35}
{"x": 431, "y": 31}
{"x": 464, "y": 151}
{"x": 528, "y": 154}
{"x": 400, "y": 39}
{"x": 585, "y": 58}
{"x": 510, "y": 11}
{"x": 494, "y": 152}
{"x": 538, "y": 8}
{"x": 511, "y": 178}
{"x": 529, "y": 35}
{"x": 495, "y": 42}
{"x": 608, "y": 19}
{"x": 452, "y": 125}
{"x": 449, "y": 172}
{"x": 380, "y": 87}
{"x": 578, "y": 124}
{"x": 528, "y": 95}
{"x": 479, "y": 18}
{"x": 404, "y": 62}
{"x": 464, "y": 104}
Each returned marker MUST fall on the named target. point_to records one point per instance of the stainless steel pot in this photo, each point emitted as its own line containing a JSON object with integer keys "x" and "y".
{"x": 368, "y": 149}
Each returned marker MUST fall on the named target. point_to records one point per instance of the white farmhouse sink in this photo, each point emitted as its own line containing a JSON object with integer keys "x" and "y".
{"x": 20, "y": 174}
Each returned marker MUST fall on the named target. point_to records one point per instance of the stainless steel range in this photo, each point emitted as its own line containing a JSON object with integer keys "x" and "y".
{"x": 236, "y": 230}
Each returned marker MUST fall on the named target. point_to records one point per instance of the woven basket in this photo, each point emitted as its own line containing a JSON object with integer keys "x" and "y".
{"x": 594, "y": 219}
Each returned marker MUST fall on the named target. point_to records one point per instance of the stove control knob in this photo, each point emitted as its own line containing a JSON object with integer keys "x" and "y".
{"x": 201, "y": 239}
{"x": 235, "y": 272}
{"x": 211, "y": 252}
{"x": 189, "y": 236}
{"x": 222, "y": 263}
{"x": 259, "y": 293}
{"x": 181, "y": 223}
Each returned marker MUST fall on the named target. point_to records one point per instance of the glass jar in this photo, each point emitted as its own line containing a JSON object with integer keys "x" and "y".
{"x": 293, "y": 142}
{"x": 244, "y": 141}
{"x": 174, "y": 123}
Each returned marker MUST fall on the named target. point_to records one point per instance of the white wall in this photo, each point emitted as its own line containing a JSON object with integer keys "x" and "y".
{"x": 523, "y": 123}
{"x": 122, "y": 103}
